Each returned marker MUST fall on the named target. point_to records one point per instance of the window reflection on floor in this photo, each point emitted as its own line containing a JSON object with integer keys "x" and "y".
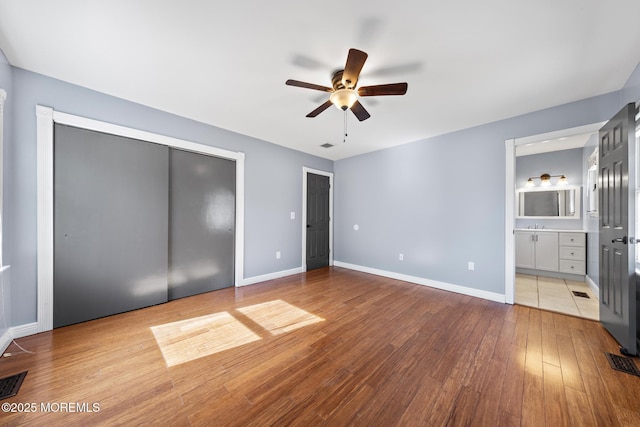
{"x": 191, "y": 339}
{"x": 278, "y": 316}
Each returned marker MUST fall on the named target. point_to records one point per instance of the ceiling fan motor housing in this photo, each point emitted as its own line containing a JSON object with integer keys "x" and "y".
{"x": 336, "y": 80}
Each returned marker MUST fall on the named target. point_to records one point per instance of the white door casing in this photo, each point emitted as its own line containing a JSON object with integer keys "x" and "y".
{"x": 45, "y": 119}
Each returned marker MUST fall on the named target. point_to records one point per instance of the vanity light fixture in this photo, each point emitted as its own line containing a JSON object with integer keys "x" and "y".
{"x": 545, "y": 180}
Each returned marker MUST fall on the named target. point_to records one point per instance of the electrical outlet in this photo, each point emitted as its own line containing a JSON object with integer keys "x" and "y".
{"x": 293, "y": 215}
{"x": 278, "y": 255}
{"x": 471, "y": 266}
{"x": 401, "y": 257}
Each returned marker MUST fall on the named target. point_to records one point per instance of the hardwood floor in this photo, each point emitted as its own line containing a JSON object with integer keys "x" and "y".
{"x": 329, "y": 347}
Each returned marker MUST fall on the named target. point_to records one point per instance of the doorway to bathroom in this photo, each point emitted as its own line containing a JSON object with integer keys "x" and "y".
{"x": 552, "y": 257}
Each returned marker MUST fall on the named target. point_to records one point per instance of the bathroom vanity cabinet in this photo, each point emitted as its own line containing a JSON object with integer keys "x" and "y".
{"x": 551, "y": 251}
{"x": 573, "y": 252}
{"x": 537, "y": 250}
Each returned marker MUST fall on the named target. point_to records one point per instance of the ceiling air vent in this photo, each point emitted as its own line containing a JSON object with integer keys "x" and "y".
{"x": 326, "y": 145}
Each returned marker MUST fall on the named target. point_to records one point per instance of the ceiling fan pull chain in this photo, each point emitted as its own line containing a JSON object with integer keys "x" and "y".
{"x": 344, "y": 139}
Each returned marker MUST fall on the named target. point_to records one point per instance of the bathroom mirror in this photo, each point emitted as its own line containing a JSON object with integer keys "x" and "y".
{"x": 549, "y": 202}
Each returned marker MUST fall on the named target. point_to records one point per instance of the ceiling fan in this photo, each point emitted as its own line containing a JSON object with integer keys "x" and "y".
{"x": 344, "y": 94}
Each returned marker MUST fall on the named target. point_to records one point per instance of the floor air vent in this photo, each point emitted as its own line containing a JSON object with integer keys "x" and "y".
{"x": 623, "y": 364}
{"x": 580, "y": 294}
{"x": 9, "y": 386}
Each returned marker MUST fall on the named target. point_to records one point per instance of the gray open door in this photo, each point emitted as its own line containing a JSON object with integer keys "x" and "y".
{"x": 617, "y": 229}
{"x": 317, "y": 221}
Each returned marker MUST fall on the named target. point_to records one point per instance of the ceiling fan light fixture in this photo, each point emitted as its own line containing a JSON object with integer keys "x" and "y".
{"x": 343, "y": 98}
{"x": 344, "y": 94}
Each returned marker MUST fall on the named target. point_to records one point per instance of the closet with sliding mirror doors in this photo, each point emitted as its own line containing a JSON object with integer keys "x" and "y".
{"x": 137, "y": 224}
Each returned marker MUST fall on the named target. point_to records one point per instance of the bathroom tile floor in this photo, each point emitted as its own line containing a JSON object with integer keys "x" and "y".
{"x": 552, "y": 294}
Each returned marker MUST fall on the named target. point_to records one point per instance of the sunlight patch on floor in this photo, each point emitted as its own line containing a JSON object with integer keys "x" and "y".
{"x": 191, "y": 339}
{"x": 187, "y": 340}
{"x": 278, "y": 316}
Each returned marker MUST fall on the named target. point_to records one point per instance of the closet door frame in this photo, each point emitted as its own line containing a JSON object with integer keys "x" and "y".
{"x": 45, "y": 119}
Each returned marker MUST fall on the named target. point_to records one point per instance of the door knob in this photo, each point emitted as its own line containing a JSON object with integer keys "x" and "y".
{"x": 622, "y": 239}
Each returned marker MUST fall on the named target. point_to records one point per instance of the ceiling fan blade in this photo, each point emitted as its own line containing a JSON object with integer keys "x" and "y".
{"x": 388, "y": 89}
{"x": 359, "y": 111}
{"x": 320, "y": 109}
{"x": 308, "y": 85}
{"x": 355, "y": 62}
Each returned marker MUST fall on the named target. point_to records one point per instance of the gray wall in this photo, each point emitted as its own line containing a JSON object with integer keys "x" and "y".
{"x": 273, "y": 178}
{"x": 440, "y": 201}
{"x": 564, "y": 162}
{"x": 5, "y": 294}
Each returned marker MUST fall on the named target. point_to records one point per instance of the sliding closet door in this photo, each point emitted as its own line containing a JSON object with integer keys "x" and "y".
{"x": 201, "y": 223}
{"x": 110, "y": 224}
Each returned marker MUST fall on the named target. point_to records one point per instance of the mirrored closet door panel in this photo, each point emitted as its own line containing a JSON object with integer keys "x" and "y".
{"x": 201, "y": 223}
{"x": 110, "y": 224}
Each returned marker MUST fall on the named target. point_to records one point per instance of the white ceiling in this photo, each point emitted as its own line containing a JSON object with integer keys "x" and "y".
{"x": 225, "y": 63}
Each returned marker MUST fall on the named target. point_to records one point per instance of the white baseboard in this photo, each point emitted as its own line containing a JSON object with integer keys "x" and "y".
{"x": 595, "y": 288}
{"x": 5, "y": 340}
{"x": 24, "y": 330}
{"x": 270, "y": 276}
{"x": 17, "y": 332}
{"x": 491, "y": 296}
